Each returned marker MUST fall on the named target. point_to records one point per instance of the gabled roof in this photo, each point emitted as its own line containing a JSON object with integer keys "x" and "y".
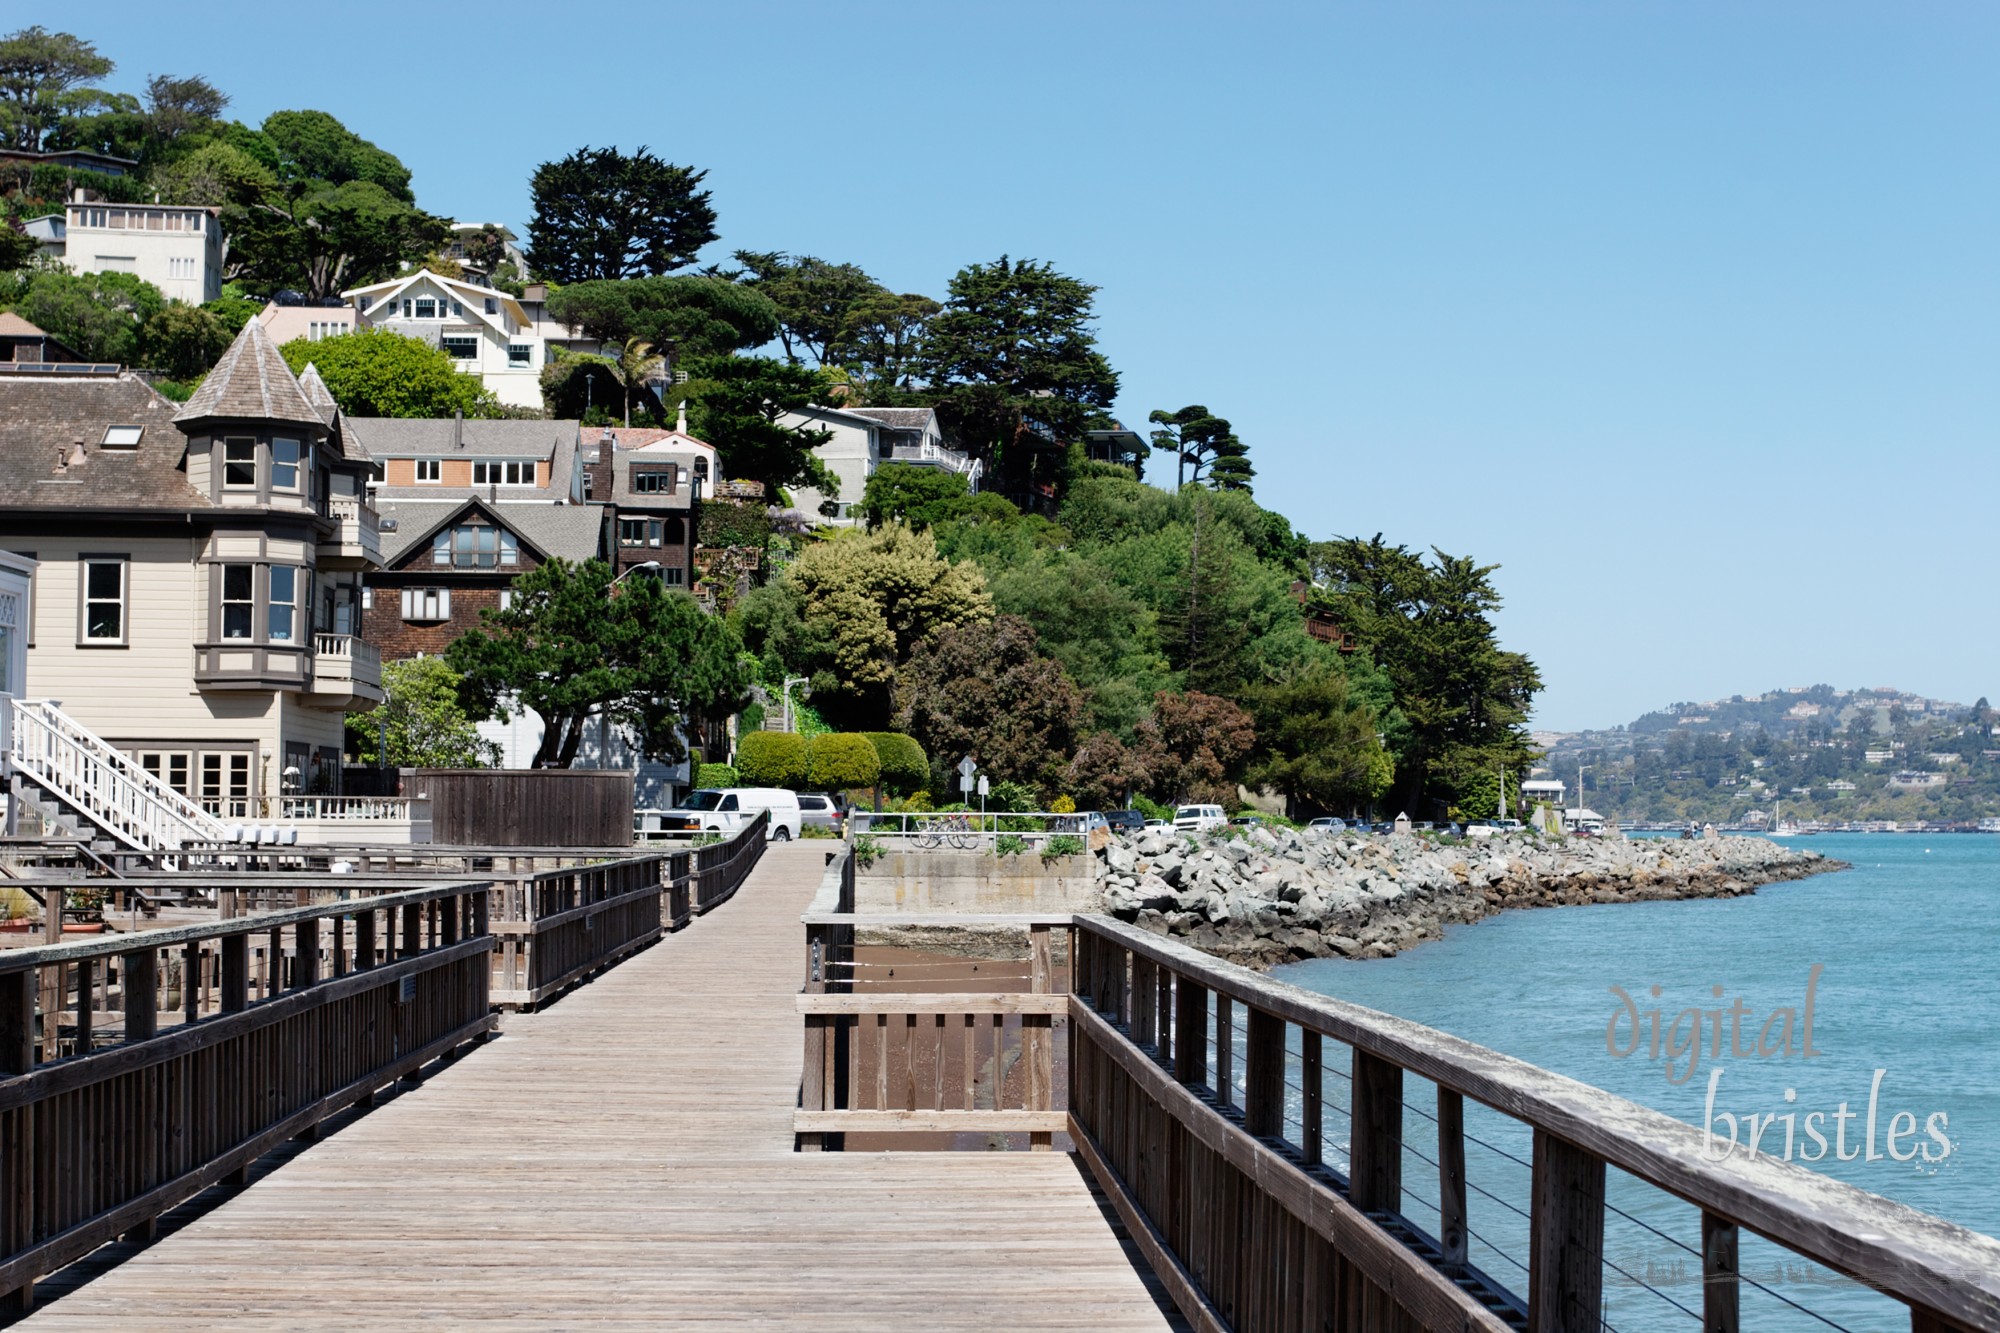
{"x": 317, "y": 393}
{"x": 470, "y": 294}
{"x": 443, "y": 437}
{"x": 569, "y": 532}
{"x": 43, "y": 416}
{"x": 251, "y": 383}
{"x": 13, "y": 326}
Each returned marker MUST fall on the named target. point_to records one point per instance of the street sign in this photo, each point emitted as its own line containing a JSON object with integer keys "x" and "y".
{"x": 966, "y": 768}
{"x": 982, "y": 784}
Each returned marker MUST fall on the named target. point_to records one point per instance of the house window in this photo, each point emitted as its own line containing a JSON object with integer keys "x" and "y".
{"x": 427, "y": 308}
{"x": 672, "y": 575}
{"x": 475, "y": 546}
{"x": 239, "y": 601}
{"x": 457, "y": 309}
{"x": 284, "y": 602}
{"x": 104, "y": 583}
{"x": 701, "y": 469}
{"x": 430, "y": 470}
{"x": 504, "y": 472}
{"x": 239, "y": 464}
{"x": 421, "y": 604}
{"x": 285, "y": 458}
{"x": 654, "y": 481}
{"x": 492, "y": 305}
{"x": 506, "y": 599}
{"x": 225, "y": 784}
{"x": 464, "y": 348}
{"x": 639, "y": 532}
{"x": 171, "y": 767}
{"x": 520, "y": 355}
{"x": 406, "y": 307}
{"x": 367, "y": 599}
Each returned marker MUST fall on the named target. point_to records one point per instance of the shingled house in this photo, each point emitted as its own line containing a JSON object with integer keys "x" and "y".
{"x": 196, "y": 601}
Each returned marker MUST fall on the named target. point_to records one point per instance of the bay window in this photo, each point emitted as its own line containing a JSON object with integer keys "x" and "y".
{"x": 284, "y": 603}
{"x": 239, "y": 601}
{"x": 239, "y": 464}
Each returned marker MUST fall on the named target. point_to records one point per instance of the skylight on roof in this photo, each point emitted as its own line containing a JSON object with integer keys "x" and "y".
{"x": 122, "y": 437}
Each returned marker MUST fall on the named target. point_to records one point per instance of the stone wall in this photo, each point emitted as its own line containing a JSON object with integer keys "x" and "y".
{"x": 977, "y": 882}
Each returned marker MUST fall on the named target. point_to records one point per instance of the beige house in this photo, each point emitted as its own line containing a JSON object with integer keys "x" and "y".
{"x": 485, "y": 330}
{"x": 196, "y": 600}
{"x": 176, "y": 248}
{"x": 315, "y": 323}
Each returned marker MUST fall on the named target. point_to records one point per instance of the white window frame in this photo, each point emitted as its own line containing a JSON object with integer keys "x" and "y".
{"x": 503, "y": 471}
{"x": 228, "y": 462}
{"x": 426, "y": 605}
{"x": 520, "y": 356}
{"x": 434, "y": 467}
{"x": 299, "y": 467}
{"x": 450, "y": 341}
{"x": 85, "y": 600}
{"x": 247, "y": 602}
{"x": 289, "y": 606}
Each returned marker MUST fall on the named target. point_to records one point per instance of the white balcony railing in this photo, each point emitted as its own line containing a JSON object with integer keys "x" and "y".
{"x": 395, "y": 809}
{"x": 365, "y": 660}
{"x": 359, "y": 524}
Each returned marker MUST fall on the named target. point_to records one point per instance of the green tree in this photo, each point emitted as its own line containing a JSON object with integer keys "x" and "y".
{"x": 841, "y": 761}
{"x": 16, "y": 246}
{"x": 1013, "y": 348}
{"x": 1317, "y": 743}
{"x": 576, "y": 650}
{"x": 98, "y": 315}
{"x": 183, "y": 340}
{"x": 234, "y": 308}
{"x": 377, "y": 373}
{"x": 44, "y": 80}
{"x": 180, "y": 108}
{"x": 1202, "y": 443}
{"x": 1106, "y": 772}
{"x": 981, "y": 689}
{"x": 902, "y": 766}
{"x": 771, "y": 759}
{"x": 600, "y": 213}
{"x": 850, "y": 612}
{"x": 685, "y": 316}
{"x": 881, "y": 340}
{"x": 918, "y": 496}
{"x": 740, "y": 403}
{"x": 1464, "y": 700}
{"x": 817, "y": 302}
{"x": 421, "y": 719}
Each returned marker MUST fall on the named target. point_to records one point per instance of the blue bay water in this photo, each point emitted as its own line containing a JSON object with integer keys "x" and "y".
{"x": 1907, "y": 941}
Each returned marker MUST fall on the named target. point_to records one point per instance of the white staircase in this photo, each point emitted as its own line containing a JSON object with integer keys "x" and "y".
{"x": 93, "y": 779}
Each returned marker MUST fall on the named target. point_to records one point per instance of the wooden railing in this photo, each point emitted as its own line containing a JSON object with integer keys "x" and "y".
{"x": 1228, "y": 1185}
{"x": 136, "y": 1071}
{"x": 554, "y": 927}
{"x": 896, "y": 1062}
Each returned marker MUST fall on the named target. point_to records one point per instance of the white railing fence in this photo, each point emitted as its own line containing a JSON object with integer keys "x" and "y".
{"x": 102, "y": 783}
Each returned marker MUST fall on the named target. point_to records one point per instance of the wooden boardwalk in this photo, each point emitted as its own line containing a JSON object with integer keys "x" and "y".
{"x": 624, "y": 1158}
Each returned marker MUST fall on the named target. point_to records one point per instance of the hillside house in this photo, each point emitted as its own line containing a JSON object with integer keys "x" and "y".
{"x": 177, "y": 248}
{"x": 486, "y": 331}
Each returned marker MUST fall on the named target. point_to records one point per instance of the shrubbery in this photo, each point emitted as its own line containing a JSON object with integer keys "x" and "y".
{"x": 840, "y": 760}
{"x": 904, "y": 766}
{"x": 771, "y": 759}
{"x": 717, "y": 775}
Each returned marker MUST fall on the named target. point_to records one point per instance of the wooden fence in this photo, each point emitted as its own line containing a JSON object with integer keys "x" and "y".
{"x": 896, "y": 1062}
{"x": 541, "y": 807}
{"x": 1200, "y": 1094}
{"x": 552, "y": 928}
{"x": 136, "y": 1071}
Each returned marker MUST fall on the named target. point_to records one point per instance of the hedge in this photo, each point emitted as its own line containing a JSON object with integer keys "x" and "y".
{"x": 716, "y": 775}
{"x": 771, "y": 759}
{"x": 840, "y": 760}
{"x": 905, "y": 767}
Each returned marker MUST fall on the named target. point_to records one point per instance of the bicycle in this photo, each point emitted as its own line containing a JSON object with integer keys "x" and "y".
{"x": 947, "y": 830}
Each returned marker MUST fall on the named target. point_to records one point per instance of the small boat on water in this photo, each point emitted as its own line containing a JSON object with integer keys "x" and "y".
{"x": 1779, "y": 828}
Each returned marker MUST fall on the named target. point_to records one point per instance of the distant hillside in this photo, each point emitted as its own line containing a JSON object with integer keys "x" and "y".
{"x": 1827, "y": 754}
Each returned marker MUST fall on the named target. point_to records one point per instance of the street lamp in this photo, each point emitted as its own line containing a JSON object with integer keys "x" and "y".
{"x": 650, "y": 566}
{"x": 807, "y": 693}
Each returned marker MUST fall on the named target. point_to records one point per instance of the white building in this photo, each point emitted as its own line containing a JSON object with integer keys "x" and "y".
{"x": 485, "y": 330}
{"x": 864, "y": 438}
{"x": 176, "y": 248}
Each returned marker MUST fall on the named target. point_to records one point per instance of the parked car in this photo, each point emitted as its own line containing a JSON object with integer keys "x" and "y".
{"x": 1329, "y": 824}
{"x": 1125, "y": 821}
{"x": 1386, "y": 826}
{"x": 1247, "y": 821}
{"x": 727, "y": 809}
{"x": 1158, "y": 823}
{"x": 1198, "y": 818}
{"x": 1423, "y": 826}
{"x": 825, "y": 812}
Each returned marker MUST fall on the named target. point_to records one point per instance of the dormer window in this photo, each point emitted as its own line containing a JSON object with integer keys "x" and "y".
{"x": 122, "y": 437}
{"x": 475, "y": 546}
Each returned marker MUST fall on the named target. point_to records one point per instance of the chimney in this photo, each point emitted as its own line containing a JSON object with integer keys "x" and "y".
{"x": 458, "y": 430}
{"x": 682, "y": 424}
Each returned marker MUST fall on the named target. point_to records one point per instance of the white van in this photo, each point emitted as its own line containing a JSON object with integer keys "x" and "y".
{"x": 727, "y": 809}
{"x": 1199, "y": 818}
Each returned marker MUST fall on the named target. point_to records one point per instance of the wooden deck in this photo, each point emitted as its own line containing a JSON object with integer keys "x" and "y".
{"x": 625, "y": 1158}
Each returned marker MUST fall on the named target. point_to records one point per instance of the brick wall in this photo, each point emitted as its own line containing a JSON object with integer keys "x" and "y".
{"x": 383, "y": 625}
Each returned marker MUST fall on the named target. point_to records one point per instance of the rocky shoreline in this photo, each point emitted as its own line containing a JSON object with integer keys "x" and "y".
{"x": 1263, "y": 896}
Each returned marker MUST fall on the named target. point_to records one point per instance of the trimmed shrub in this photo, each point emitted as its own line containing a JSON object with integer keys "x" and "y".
{"x": 771, "y": 759}
{"x": 840, "y": 760}
{"x": 905, "y": 768}
{"x": 716, "y": 775}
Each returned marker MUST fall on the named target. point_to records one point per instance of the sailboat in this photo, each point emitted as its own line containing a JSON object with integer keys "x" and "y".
{"x": 1780, "y": 829}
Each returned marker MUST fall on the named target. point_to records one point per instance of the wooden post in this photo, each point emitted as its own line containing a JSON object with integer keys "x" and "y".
{"x": 235, "y": 974}
{"x": 1190, "y": 1030}
{"x": 1566, "y": 1239}
{"x": 1313, "y": 1115}
{"x": 1163, "y": 1015}
{"x": 413, "y": 930}
{"x": 1038, "y": 1047}
{"x": 364, "y": 940}
{"x": 1264, "y": 1075}
{"x": 305, "y": 954}
{"x": 17, "y": 1142}
{"x": 86, "y": 1002}
{"x": 1451, "y": 1180}
{"x": 1719, "y": 1292}
{"x": 191, "y": 981}
{"x": 1145, "y": 996}
{"x": 142, "y": 1004}
{"x": 1375, "y": 1184}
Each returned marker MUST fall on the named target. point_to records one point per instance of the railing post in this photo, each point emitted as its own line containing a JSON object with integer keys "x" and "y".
{"x": 140, "y": 975}
{"x": 1312, "y": 1112}
{"x": 1038, "y": 1034}
{"x": 1145, "y": 995}
{"x": 413, "y": 930}
{"x": 1264, "y": 1075}
{"x": 1451, "y": 1180}
{"x": 1719, "y": 1292}
{"x": 305, "y": 954}
{"x": 1375, "y": 1184}
{"x": 1225, "y": 1051}
{"x": 1190, "y": 1030}
{"x": 17, "y": 1142}
{"x": 364, "y": 939}
{"x": 1566, "y": 1239}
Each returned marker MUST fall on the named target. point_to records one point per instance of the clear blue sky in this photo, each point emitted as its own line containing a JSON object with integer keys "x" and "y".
{"x": 1683, "y": 313}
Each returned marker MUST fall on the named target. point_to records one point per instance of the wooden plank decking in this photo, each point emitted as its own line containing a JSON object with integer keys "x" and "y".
{"x": 624, "y": 1158}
